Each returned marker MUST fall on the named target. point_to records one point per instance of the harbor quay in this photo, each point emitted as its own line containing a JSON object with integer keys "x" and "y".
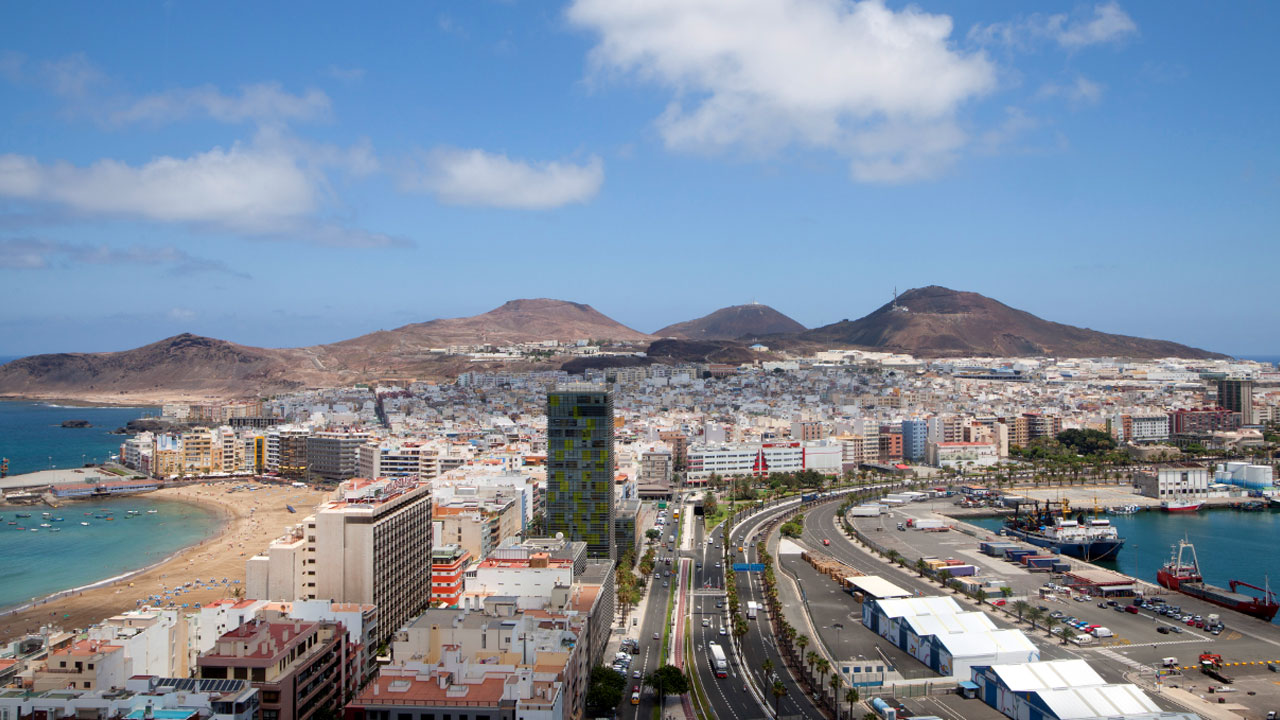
{"x": 1156, "y": 652}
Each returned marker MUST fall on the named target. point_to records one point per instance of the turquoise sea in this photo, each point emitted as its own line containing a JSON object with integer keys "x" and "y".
{"x": 1231, "y": 545}
{"x": 32, "y": 436}
{"x": 36, "y": 564}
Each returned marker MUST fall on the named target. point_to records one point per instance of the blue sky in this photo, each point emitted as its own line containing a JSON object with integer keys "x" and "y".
{"x": 294, "y": 175}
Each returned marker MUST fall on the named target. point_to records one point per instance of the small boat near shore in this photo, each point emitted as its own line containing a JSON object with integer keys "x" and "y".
{"x": 1181, "y": 505}
{"x": 1123, "y": 510}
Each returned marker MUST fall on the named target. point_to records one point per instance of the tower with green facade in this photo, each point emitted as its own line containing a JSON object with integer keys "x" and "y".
{"x": 580, "y": 465}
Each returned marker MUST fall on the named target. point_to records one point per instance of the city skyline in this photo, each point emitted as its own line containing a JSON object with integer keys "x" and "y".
{"x": 179, "y": 169}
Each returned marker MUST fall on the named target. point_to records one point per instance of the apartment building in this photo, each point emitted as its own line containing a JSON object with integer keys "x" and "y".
{"x": 331, "y": 456}
{"x": 477, "y": 525}
{"x": 390, "y": 459}
{"x": 83, "y": 665}
{"x": 1237, "y": 396}
{"x": 448, "y": 568}
{"x": 300, "y": 669}
{"x": 372, "y": 545}
{"x": 962, "y": 455}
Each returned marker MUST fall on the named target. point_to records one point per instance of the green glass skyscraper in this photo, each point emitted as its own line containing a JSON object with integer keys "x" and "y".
{"x": 580, "y": 466}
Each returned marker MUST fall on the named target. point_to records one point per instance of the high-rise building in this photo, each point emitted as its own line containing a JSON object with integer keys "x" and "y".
{"x": 580, "y": 466}
{"x": 370, "y": 546}
{"x": 914, "y": 437}
{"x": 1237, "y": 396}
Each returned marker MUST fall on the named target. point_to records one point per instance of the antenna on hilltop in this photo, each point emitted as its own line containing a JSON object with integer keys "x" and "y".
{"x": 894, "y": 306}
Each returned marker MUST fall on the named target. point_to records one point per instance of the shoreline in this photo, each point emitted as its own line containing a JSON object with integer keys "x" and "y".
{"x": 248, "y": 521}
{"x": 223, "y": 525}
{"x": 78, "y": 402}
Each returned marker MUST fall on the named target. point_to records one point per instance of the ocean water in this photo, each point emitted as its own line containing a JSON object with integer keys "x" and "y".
{"x": 1231, "y": 545}
{"x": 32, "y": 436}
{"x": 37, "y": 564}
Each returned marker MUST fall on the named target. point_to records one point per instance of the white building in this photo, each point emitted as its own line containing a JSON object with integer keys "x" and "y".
{"x": 1062, "y": 690}
{"x": 1174, "y": 481}
{"x": 372, "y": 545}
{"x": 763, "y": 458}
{"x": 962, "y": 455}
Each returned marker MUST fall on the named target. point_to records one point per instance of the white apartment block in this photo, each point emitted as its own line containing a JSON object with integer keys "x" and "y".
{"x": 371, "y": 545}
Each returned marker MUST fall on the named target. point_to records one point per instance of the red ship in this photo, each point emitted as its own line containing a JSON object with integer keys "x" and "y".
{"x": 1185, "y": 578}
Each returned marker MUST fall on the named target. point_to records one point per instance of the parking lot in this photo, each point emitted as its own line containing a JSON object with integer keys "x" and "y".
{"x": 1137, "y": 641}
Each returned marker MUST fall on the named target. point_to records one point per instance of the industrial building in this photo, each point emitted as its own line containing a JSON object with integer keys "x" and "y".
{"x": 935, "y": 631}
{"x": 1063, "y": 690}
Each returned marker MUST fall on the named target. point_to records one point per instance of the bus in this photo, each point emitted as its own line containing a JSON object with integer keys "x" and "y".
{"x": 675, "y": 514}
{"x": 752, "y": 608}
{"x": 718, "y": 663}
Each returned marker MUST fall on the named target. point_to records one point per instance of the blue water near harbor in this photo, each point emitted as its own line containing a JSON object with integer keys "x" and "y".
{"x": 36, "y": 564}
{"x": 32, "y": 436}
{"x": 1231, "y": 545}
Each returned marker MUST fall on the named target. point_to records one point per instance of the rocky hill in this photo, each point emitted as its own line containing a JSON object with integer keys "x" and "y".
{"x": 191, "y": 367}
{"x": 939, "y": 322}
{"x": 181, "y": 366}
{"x": 739, "y": 322}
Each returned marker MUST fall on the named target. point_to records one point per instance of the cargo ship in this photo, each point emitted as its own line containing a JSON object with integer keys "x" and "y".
{"x": 1090, "y": 539}
{"x": 1185, "y": 578}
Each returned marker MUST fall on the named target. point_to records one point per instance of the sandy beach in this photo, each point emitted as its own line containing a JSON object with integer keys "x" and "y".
{"x": 251, "y": 521}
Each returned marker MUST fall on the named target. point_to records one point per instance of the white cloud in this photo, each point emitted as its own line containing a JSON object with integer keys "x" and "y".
{"x": 240, "y": 189}
{"x": 181, "y": 314}
{"x": 476, "y": 177}
{"x": 1108, "y": 23}
{"x": 72, "y": 76}
{"x": 260, "y": 102}
{"x": 1081, "y": 91}
{"x": 877, "y": 85}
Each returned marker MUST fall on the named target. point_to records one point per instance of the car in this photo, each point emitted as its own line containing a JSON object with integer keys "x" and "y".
{"x": 1056, "y": 614}
{"x": 724, "y": 630}
{"x": 1102, "y": 604}
{"x": 999, "y": 602}
{"x": 1217, "y": 630}
{"x": 657, "y": 636}
{"x": 826, "y": 541}
{"x": 1131, "y": 608}
{"x": 1120, "y": 608}
{"x": 1200, "y": 624}
{"x": 1162, "y": 630}
{"x": 1112, "y": 603}
{"x": 635, "y": 674}
{"x": 706, "y": 622}
{"x": 666, "y": 584}
{"x": 1175, "y": 629}
{"x": 717, "y": 564}
{"x": 1042, "y": 608}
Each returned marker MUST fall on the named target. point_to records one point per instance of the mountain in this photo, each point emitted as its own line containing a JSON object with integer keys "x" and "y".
{"x": 514, "y": 322}
{"x": 935, "y": 321}
{"x": 734, "y": 323}
{"x": 190, "y": 366}
{"x": 183, "y": 365}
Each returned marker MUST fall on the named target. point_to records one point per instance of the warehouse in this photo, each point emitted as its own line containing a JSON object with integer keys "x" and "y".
{"x": 874, "y": 586}
{"x": 1062, "y": 690}
{"x": 947, "y": 640}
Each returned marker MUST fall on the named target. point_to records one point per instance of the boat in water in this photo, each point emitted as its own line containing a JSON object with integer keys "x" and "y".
{"x": 1182, "y": 504}
{"x": 1123, "y": 510}
{"x": 1090, "y": 539}
{"x": 1184, "y": 577}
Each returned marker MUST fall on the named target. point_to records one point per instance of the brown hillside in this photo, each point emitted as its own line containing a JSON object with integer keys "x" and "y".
{"x": 936, "y": 321}
{"x": 739, "y": 322}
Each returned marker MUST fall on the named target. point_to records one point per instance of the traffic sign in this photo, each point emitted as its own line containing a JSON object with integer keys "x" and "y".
{"x": 748, "y": 567}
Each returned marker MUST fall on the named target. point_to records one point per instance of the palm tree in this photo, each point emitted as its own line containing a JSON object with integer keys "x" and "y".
{"x": 811, "y": 659}
{"x": 766, "y": 667}
{"x": 980, "y": 595}
{"x": 824, "y": 667}
{"x": 944, "y": 577}
{"x": 802, "y": 642}
{"x": 778, "y": 689}
{"x": 893, "y": 555}
{"x": 920, "y": 568}
{"x": 851, "y": 697}
{"x": 1049, "y": 623}
{"x": 835, "y": 683}
{"x": 1021, "y": 606}
{"x": 1033, "y": 615}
